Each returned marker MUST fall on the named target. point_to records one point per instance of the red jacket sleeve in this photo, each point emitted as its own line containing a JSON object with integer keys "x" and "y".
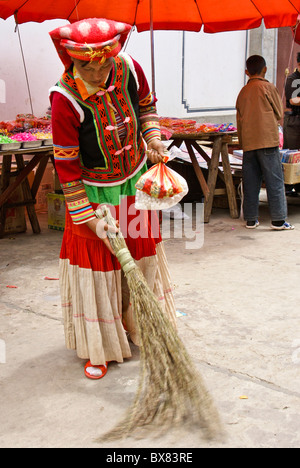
{"x": 65, "y": 129}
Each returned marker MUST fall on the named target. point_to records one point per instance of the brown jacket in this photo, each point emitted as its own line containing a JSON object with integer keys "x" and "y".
{"x": 259, "y": 108}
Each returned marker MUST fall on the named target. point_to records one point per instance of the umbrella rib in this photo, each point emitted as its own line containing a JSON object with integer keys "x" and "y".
{"x": 256, "y": 8}
{"x": 294, "y": 6}
{"x": 199, "y": 11}
{"x": 75, "y": 8}
{"x": 136, "y": 9}
{"x": 16, "y": 11}
{"x": 263, "y": 15}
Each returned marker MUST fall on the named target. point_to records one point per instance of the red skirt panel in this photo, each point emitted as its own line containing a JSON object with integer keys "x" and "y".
{"x": 83, "y": 248}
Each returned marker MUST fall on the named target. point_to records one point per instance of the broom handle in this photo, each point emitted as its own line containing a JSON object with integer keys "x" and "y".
{"x": 122, "y": 254}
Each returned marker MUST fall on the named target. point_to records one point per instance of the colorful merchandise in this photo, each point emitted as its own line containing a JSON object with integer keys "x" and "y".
{"x": 4, "y": 139}
{"x": 26, "y": 128}
{"x": 169, "y": 126}
{"x": 290, "y": 157}
{"x": 24, "y": 137}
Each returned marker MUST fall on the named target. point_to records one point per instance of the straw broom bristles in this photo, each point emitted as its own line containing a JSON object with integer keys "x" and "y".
{"x": 170, "y": 390}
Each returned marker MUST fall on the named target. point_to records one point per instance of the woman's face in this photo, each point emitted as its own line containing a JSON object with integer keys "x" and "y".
{"x": 94, "y": 73}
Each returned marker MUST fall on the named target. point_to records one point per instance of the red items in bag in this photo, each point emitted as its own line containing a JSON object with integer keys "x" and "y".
{"x": 159, "y": 182}
{"x": 159, "y": 188}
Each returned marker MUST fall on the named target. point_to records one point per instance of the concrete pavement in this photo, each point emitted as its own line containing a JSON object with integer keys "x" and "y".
{"x": 241, "y": 299}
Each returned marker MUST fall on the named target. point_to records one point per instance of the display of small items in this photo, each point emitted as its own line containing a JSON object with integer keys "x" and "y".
{"x": 25, "y": 128}
{"x": 171, "y": 125}
{"x": 5, "y": 140}
{"x": 290, "y": 156}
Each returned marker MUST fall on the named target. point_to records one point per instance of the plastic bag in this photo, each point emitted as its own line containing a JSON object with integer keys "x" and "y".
{"x": 159, "y": 188}
{"x": 281, "y": 139}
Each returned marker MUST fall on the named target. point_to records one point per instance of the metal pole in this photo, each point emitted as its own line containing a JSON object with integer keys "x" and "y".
{"x": 25, "y": 69}
{"x": 152, "y": 49}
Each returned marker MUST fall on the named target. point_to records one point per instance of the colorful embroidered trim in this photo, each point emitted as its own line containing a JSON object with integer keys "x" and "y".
{"x": 122, "y": 159}
{"x": 149, "y": 119}
{"x": 77, "y": 202}
{"x": 87, "y": 53}
{"x": 66, "y": 153}
{"x": 150, "y": 131}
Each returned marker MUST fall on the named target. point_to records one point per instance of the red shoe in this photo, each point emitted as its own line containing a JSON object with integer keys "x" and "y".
{"x": 95, "y": 377}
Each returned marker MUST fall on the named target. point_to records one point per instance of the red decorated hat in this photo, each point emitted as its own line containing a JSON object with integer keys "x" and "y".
{"x": 93, "y": 39}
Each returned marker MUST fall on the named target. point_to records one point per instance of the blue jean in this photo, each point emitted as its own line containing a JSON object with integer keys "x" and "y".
{"x": 258, "y": 165}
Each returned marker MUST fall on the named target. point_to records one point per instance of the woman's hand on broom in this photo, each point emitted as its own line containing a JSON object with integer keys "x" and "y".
{"x": 100, "y": 228}
{"x": 156, "y": 151}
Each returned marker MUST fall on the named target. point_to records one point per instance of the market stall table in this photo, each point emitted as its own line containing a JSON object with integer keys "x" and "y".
{"x": 219, "y": 154}
{"x": 36, "y": 158}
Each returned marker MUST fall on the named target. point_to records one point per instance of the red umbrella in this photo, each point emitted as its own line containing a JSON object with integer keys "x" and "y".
{"x": 296, "y": 31}
{"x": 189, "y": 15}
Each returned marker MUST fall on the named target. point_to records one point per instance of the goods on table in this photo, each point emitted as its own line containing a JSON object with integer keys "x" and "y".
{"x": 28, "y": 130}
{"x": 30, "y": 121}
{"x": 28, "y": 124}
{"x": 7, "y": 143}
{"x": 4, "y": 139}
{"x": 23, "y": 137}
{"x": 169, "y": 126}
{"x": 42, "y": 135}
{"x": 23, "y": 123}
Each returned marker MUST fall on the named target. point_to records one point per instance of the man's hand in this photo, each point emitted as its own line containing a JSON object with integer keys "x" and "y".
{"x": 295, "y": 101}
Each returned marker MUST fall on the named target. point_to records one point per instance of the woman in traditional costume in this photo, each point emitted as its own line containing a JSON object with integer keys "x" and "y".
{"x": 105, "y": 125}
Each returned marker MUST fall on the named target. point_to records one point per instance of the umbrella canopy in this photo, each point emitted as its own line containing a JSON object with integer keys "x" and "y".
{"x": 296, "y": 31}
{"x": 191, "y": 15}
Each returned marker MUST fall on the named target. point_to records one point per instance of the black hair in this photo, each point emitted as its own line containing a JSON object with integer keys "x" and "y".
{"x": 298, "y": 57}
{"x": 255, "y": 64}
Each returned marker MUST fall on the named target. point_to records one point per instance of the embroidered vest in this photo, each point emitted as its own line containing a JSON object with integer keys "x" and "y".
{"x": 105, "y": 160}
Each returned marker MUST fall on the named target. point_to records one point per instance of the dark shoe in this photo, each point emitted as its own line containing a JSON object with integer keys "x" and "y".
{"x": 284, "y": 226}
{"x": 252, "y": 224}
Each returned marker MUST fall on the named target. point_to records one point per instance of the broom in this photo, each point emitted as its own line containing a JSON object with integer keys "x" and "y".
{"x": 170, "y": 389}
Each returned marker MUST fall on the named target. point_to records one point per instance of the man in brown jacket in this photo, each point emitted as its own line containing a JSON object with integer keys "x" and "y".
{"x": 259, "y": 109}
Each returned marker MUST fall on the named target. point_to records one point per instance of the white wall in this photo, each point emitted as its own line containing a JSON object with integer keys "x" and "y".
{"x": 194, "y": 71}
{"x": 42, "y": 63}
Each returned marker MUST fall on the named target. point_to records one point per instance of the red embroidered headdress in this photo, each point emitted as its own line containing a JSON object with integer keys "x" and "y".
{"x": 93, "y": 39}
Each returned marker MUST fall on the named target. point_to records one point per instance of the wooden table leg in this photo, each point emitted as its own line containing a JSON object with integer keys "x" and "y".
{"x": 39, "y": 175}
{"x": 202, "y": 152}
{"x": 28, "y": 199}
{"x": 176, "y": 143}
{"x": 195, "y": 164}
{"x": 197, "y": 169}
{"x": 5, "y": 194}
{"x": 39, "y": 160}
{"x": 231, "y": 193}
{"x": 212, "y": 176}
{"x": 4, "y": 183}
